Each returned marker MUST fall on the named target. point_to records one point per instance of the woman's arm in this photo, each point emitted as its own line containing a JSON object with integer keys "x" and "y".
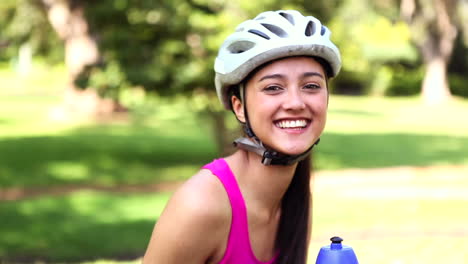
{"x": 193, "y": 226}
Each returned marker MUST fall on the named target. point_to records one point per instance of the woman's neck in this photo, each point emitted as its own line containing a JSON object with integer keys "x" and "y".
{"x": 263, "y": 187}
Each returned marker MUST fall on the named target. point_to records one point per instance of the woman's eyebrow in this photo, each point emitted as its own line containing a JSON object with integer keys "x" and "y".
{"x": 272, "y": 76}
{"x": 310, "y": 74}
{"x": 281, "y": 76}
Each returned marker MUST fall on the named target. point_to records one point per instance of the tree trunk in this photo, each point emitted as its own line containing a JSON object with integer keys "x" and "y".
{"x": 435, "y": 87}
{"x": 81, "y": 51}
{"x": 434, "y": 32}
{"x": 222, "y": 134}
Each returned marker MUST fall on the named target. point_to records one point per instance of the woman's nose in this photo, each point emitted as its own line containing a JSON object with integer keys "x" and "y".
{"x": 294, "y": 101}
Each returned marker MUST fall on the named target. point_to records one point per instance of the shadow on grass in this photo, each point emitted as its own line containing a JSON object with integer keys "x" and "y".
{"x": 341, "y": 151}
{"x": 78, "y": 227}
{"x": 110, "y": 157}
{"x": 106, "y": 157}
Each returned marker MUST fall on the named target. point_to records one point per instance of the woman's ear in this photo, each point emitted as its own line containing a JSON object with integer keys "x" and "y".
{"x": 238, "y": 108}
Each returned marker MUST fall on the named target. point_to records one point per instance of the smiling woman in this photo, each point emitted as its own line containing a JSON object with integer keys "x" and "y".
{"x": 253, "y": 206}
{"x": 292, "y": 112}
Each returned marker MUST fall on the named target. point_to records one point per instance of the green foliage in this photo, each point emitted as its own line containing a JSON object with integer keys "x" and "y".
{"x": 169, "y": 47}
{"x": 459, "y": 85}
{"x": 108, "y": 79}
{"x": 156, "y": 45}
{"x": 405, "y": 82}
{"x": 366, "y": 44}
{"x": 23, "y": 21}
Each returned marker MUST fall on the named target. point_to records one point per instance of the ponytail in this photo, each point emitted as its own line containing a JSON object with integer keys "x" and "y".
{"x": 293, "y": 229}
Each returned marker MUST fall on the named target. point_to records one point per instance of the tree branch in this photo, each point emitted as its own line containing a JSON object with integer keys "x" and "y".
{"x": 204, "y": 8}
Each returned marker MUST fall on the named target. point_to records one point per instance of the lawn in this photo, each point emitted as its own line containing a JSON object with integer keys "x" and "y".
{"x": 170, "y": 143}
{"x": 394, "y": 215}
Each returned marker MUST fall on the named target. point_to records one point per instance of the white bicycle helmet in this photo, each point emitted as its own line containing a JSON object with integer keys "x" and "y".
{"x": 269, "y": 36}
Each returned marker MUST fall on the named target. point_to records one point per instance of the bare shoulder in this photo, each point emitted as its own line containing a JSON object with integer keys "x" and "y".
{"x": 194, "y": 223}
{"x": 201, "y": 197}
{"x": 205, "y": 193}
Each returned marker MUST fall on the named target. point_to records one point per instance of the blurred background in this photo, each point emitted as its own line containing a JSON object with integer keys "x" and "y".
{"x": 107, "y": 106}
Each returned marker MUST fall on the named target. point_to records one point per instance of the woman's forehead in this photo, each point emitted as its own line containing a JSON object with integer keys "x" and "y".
{"x": 302, "y": 66}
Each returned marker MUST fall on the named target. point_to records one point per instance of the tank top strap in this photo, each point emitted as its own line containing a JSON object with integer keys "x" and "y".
{"x": 238, "y": 236}
{"x": 238, "y": 246}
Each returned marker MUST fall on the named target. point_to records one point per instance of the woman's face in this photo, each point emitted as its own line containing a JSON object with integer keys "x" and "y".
{"x": 287, "y": 104}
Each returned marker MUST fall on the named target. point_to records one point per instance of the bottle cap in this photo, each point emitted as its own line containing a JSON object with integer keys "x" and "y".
{"x": 336, "y": 253}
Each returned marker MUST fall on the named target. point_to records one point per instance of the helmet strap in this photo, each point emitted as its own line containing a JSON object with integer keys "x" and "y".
{"x": 269, "y": 156}
{"x": 246, "y": 125}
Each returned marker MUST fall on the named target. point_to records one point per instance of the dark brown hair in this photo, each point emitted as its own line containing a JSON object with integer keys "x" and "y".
{"x": 293, "y": 230}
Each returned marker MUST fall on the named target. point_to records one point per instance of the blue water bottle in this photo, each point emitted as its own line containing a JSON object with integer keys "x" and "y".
{"x": 336, "y": 253}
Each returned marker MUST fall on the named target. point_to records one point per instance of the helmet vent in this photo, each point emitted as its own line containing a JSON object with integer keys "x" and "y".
{"x": 259, "y": 18}
{"x": 259, "y": 33}
{"x": 310, "y": 29}
{"x": 323, "y": 30}
{"x": 289, "y": 17}
{"x": 276, "y": 30}
{"x": 240, "y": 46}
{"x": 239, "y": 29}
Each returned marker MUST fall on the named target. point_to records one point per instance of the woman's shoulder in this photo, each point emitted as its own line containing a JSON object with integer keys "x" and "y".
{"x": 202, "y": 200}
{"x": 203, "y": 195}
{"x": 195, "y": 223}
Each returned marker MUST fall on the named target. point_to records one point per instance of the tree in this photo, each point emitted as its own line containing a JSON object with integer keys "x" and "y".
{"x": 374, "y": 47}
{"x": 434, "y": 30}
{"x": 68, "y": 20}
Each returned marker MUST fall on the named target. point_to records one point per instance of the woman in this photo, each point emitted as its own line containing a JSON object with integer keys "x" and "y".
{"x": 253, "y": 206}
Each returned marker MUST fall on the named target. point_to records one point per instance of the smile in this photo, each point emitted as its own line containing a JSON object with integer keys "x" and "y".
{"x": 292, "y": 124}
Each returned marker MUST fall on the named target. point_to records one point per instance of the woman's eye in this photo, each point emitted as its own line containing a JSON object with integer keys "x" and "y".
{"x": 272, "y": 88}
{"x": 312, "y": 86}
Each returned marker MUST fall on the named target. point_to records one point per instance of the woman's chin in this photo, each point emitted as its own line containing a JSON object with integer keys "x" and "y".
{"x": 293, "y": 151}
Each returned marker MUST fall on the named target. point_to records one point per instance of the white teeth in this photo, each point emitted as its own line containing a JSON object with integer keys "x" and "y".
{"x": 291, "y": 124}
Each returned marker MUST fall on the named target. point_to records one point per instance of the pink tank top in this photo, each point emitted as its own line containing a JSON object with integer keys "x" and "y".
{"x": 238, "y": 249}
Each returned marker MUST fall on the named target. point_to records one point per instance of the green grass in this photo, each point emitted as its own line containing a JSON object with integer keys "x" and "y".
{"x": 84, "y": 225}
{"x": 100, "y": 155}
{"x": 43, "y": 79}
{"x": 37, "y": 151}
{"x": 398, "y": 115}
{"x": 366, "y": 132}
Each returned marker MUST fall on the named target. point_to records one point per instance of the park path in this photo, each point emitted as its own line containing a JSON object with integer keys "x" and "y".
{"x": 366, "y": 183}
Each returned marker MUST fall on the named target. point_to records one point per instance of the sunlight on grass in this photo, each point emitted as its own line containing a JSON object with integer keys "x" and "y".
{"x": 408, "y": 216}
{"x": 396, "y": 115}
{"x": 43, "y": 79}
{"x": 67, "y": 170}
{"x": 23, "y": 116}
{"x": 98, "y": 225}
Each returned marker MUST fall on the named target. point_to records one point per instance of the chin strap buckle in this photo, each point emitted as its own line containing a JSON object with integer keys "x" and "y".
{"x": 268, "y": 158}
